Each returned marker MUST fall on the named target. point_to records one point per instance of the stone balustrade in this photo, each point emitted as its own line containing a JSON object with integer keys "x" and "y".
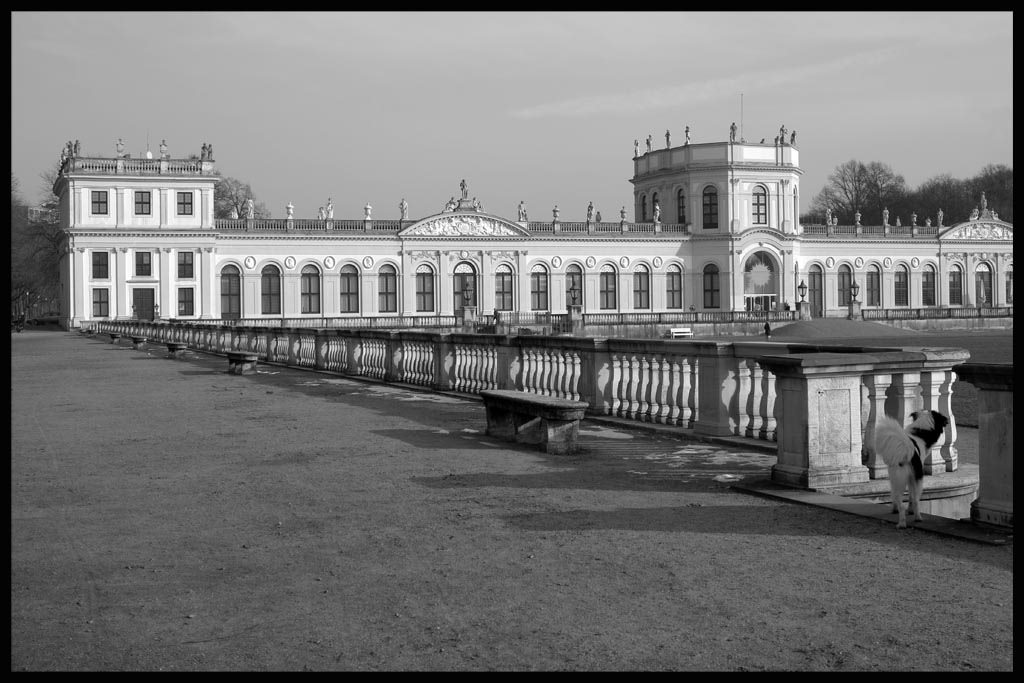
{"x": 818, "y": 403}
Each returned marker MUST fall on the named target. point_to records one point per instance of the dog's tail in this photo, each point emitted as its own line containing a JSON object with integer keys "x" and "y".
{"x": 892, "y": 442}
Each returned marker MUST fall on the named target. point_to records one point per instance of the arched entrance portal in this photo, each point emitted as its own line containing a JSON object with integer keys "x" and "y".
{"x": 760, "y": 283}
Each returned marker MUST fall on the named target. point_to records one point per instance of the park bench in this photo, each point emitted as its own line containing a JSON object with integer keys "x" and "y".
{"x": 241, "y": 362}
{"x": 552, "y": 424}
{"x": 115, "y": 337}
{"x": 138, "y": 342}
{"x": 679, "y": 333}
{"x": 176, "y": 349}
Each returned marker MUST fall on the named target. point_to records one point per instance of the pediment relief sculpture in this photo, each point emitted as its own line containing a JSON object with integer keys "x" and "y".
{"x": 463, "y": 225}
{"x": 980, "y": 231}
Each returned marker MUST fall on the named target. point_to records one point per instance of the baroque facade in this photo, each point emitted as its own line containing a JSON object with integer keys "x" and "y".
{"x": 715, "y": 228}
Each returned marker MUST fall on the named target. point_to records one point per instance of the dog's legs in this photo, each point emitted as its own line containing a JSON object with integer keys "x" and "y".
{"x": 896, "y": 485}
{"x": 914, "y": 506}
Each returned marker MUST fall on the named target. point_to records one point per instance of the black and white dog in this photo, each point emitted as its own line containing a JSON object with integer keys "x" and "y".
{"x": 903, "y": 450}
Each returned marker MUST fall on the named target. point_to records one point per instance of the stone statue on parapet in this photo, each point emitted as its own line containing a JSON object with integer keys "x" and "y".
{"x": 984, "y": 202}
{"x": 590, "y": 212}
{"x": 321, "y": 214}
{"x": 120, "y": 148}
{"x": 465, "y": 190}
{"x": 938, "y": 218}
{"x": 77, "y": 149}
{"x": 668, "y": 139}
{"x": 290, "y": 209}
{"x": 687, "y": 134}
{"x": 657, "y": 212}
{"x": 636, "y": 148}
{"x": 898, "y": 223}
{"x": 782, "y": 134}
{"x": 856, "y": 218}
{"x": 330, "y": 208}
{"x": 250, "y": 208}
{"x": 927, "y": 222}
{"x": 403, "y": 208}
{"x": 732, "y": 132}
{"x": 163, "y": 149}
{"x": 648, "y": 143}
{"x": 555, "y": 212}
{"x": 885, "y": 216}
{"x": 792, "y": 138}
{"x": 450, "y": 205}
{"x": 522, "y": 211}
{"x": 366, "y": 210}
{"x": 476, "y": 205}
{"x": 913, "y": 218}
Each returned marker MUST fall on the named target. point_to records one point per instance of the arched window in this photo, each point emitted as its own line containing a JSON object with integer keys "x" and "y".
{"x": 230, "y": 293}
{"x": 710, "y": 205}
{"x": 387, "y": 289}
{"x": 573, "y": 283}
{"x": 609, "y": 295}
{"x": 464, "y": 281}
{"x": 349, "y": 288}
{"x": 424, "y": 288}
{"x": 538, "y": 288}
{"x": 503, "y": 287}
{"x": 270, "y": 290}
{"x": 674, "y": 287}
{"x": 760, "y": 206}
{"x": 641, "y": 288}
{"x": 681, "y": 207}
{"x": 983, "y": 285}
{"x": 712, "y": 291}
{"x": 928, "y": 286}
{"x": 873, "y": 287}
{"x": 956, "y": 286}
{"x": 643, "y": 209}
{"x": 844, "y": 281}
{"x": 310, "y": 289}
{"x": 901, "y": 286}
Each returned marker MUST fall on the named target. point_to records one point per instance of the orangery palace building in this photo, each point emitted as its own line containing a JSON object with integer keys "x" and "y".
{"x": 715, "y": 227}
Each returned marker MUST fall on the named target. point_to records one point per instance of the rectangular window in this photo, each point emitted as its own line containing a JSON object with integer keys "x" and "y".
{"x": 185, "y": 259}
{"x": 760, "y": 208}
{"x": 310, "y": 293}
{"x": 674, "y": 290}
{"x": 712, "y": 293}
{"x": 184, "y": 203}
{"x": 349, "y": 292}
{"x": 956, "y": 288}
{"x": 609, "y": 299}
{"x": 503, "y": 291}
{"x": 928, "y": 288}
{"x": 186, "y": 301}
{"x": 143, "y": 203}
{"x": 99, "y": 202}
{"x": 270, "y": 292}
{"x": 845, "y": 296}
{"x": 424, "y": 292}
{"x": 641, "y": 291}
{"x": 100, "y": 265}
{"x": 143, "y": 263}
{"x": 538, "y": 291}
{"x": 902, "y": 288}
{"x": 710, "y": 206}
{"x": 874, "y": 286}
{"x": 101, "y": 303}
{"x": 388, "y": 294}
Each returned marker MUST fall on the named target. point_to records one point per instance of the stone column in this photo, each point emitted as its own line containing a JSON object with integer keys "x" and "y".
{"x": 717, "y": 389}
{"x": 994, "y": 504}
{"x": 819, "y": 431}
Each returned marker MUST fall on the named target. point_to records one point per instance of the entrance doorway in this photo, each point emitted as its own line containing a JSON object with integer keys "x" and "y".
{"x": 816, "y": 291}
{"x": 465, "y": 287}
{"x": 143, "y": 300}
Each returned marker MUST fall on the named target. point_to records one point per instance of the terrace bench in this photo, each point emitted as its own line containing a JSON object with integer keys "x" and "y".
{"x": 176, "y": 349}
{"x": 138, "y": 342}
{"x": 552, "y": 424}
{"x": 115, "y": 337}
{"x": 241, "y": 362}
{"x": 679, "y": 333}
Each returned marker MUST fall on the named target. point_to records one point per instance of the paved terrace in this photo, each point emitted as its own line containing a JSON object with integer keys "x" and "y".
{"x": 397, "y": 517}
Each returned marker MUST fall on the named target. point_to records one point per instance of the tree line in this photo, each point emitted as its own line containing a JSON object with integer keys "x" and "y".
{"x": 871, "y": 187}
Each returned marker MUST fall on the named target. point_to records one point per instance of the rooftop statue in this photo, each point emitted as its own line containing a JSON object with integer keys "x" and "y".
{"x": 938, "y": 218}
{"x": 330, "y": 208}
{"x": 668, "y": 139}
{"x": 465, "y": 190}
{"x": 403, "y": 207}
{"x": 290, "y": 208}
{"x": 732, "y": 132}
{"x": 321, "y": 214}
{"x": 687, "y": 134}
{"x": 636, "y": 148}
{"x": 648, "y": 143}
{"x": 522, "y": 211}
{"x": 120, "y": 148}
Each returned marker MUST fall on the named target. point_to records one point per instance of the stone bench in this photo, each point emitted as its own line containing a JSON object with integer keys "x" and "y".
{"x": 551, "y": 423}
{"x": 241, "y": 362}
{"x": 138, "y": 342}
{"x": 176, "y": 349}
{"x": 115, "y": 337}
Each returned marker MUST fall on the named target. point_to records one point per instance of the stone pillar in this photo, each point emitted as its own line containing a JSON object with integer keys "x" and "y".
{"x": 876, "y": 387}
{"x": 576, "y": 319}
{"x": 818, "y": 416}
{"x": 804, "y": 308}
{"x": 469, "y": 318}
{"x": 994, "y": 504}
{"x": 716, "y": 389}
{"x": 854, "y": 313}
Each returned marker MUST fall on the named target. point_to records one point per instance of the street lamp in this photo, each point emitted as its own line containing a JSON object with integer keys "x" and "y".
{"x": 802, "y": 288}
{"x": 854, "y": 289}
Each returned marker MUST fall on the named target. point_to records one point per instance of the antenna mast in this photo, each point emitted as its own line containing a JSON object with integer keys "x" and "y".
{"x": 741, "y": 117}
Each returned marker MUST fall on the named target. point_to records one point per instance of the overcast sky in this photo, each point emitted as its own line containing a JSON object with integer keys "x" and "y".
{"x": 534, "y": 106}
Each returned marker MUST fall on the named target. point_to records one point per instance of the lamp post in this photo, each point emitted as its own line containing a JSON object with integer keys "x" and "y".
{"x": 854, "y": 313}
{"x": 575, "y": 310}
{"x": 803, "y": 307}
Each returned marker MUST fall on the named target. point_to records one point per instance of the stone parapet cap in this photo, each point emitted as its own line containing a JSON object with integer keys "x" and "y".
{"x": 830, "y": 363}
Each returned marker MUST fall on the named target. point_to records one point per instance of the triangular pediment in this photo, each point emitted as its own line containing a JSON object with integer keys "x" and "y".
{"x": 464, "y": 224}
{"x": 979, "y": 230}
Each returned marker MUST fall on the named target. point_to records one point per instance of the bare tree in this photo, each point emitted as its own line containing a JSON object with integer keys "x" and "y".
{"x": 231, "y": 194}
